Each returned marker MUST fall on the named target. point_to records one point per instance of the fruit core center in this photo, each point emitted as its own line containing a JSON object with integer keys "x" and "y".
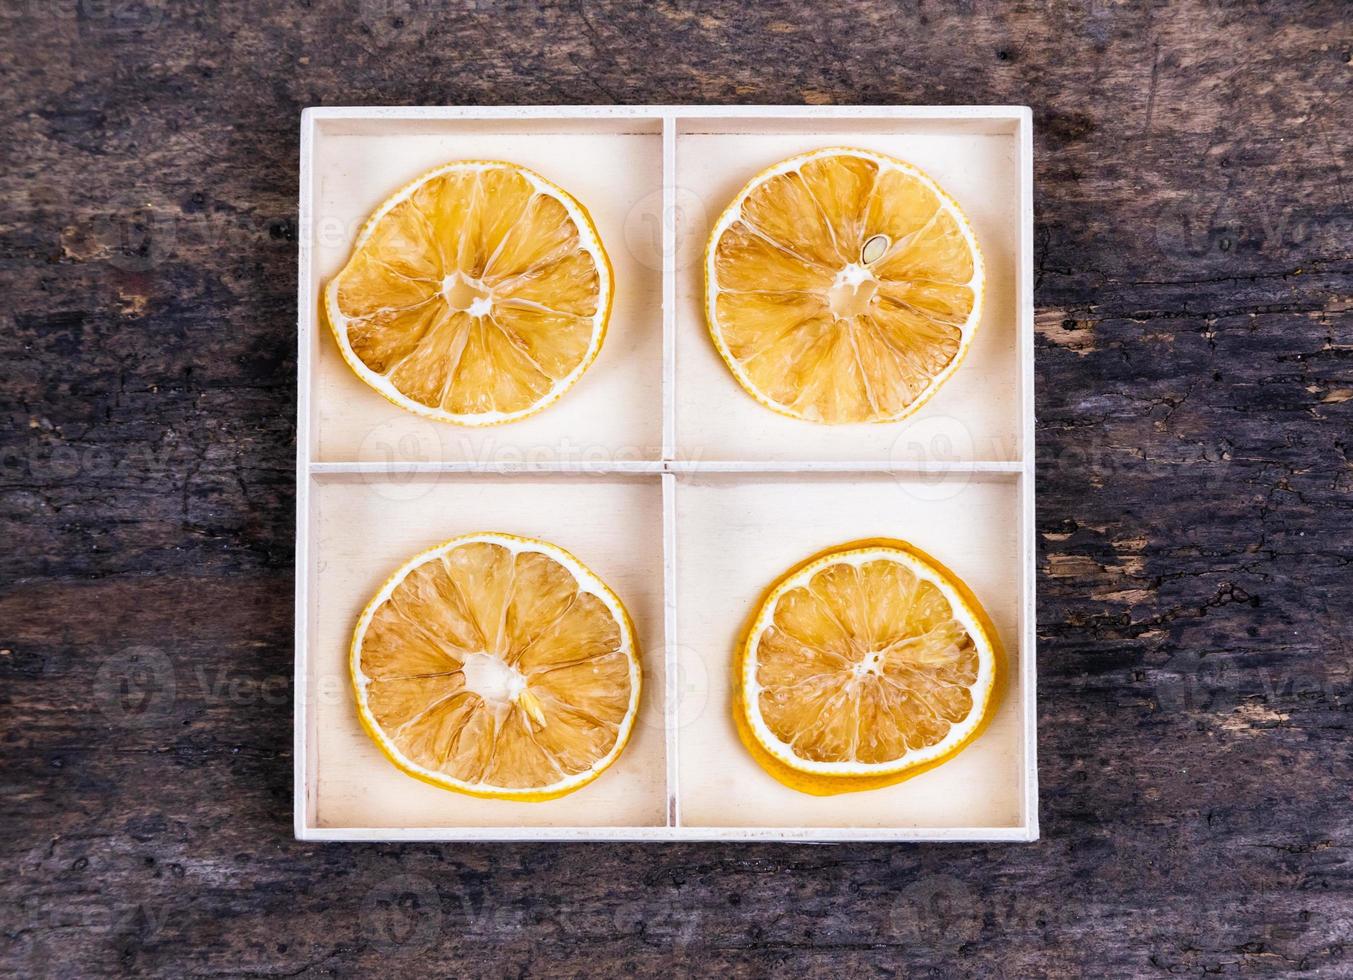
{"x": 466, "y": 295}
{"x": 852, "y": 292}
{"x": 870, "y": 665}
{"x": 492, "y": 678}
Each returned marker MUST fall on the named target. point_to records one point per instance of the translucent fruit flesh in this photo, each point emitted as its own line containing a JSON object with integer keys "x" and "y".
{"x": 842, "y": 288}
{"x": 496, "y": 669}
{"x": 863, "y": 663}
{"x": 475, "y": 294}
{"x": 863, "y": 666}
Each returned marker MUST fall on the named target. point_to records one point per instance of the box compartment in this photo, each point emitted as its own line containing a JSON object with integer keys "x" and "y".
{"x": 366, "y": 526}
{"x": 975, "y": 415}
{"x": 614, "y": 167}
{"x": 737, "y": 533}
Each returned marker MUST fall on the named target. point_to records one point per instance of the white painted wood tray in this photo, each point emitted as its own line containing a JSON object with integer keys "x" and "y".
{"x": 660, "y": 473}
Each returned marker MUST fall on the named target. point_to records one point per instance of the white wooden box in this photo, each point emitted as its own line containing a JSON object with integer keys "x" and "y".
{"x": 663, "y": 475}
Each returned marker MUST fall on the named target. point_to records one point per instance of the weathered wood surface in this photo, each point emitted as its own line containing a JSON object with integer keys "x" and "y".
{"x": 1195, "y": 373}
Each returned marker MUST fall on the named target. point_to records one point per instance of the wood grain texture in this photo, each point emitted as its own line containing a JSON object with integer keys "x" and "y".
{"x": 1195, "y": 373}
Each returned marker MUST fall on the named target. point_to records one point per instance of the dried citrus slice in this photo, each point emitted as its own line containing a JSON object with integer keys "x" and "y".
{"x": 864, "y": 665}
{"x": 842, "y": 286}
{"x": 497, "y": 666}
{"x": 477, "y": 294}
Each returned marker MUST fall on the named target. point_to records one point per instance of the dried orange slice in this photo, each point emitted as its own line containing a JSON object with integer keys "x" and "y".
{"x": 497, "y": 666}
{"x": 864, "y": 665}
{"x": 477, "y": 294}
{"x": 842, "y": 286}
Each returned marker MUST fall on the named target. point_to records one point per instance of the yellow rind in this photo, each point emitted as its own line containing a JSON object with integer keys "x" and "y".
{"x": 821, "y": 785}
{"x": 735, "y": 205}
{"x": 408, "y": 404}
{"x": 374, "y": 731}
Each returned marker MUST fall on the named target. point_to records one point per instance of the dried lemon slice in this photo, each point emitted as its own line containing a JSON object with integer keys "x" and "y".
{"x": 842, "y": 286}
{"x": 477, "y": 294}
{"x": 497, "y": 666}
{"x": 863, "y": 666}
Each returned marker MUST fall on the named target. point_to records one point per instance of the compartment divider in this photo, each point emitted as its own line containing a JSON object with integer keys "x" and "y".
{"x": 599, "y": 467}
{"x": 671, "y": 664}
{"x": 758, "y": 467}
{"x": 620, "y": 467}
{"x": 669, "y": 259}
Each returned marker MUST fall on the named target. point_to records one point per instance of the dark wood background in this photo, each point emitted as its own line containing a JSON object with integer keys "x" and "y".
{"x": 1195, "y": 394}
